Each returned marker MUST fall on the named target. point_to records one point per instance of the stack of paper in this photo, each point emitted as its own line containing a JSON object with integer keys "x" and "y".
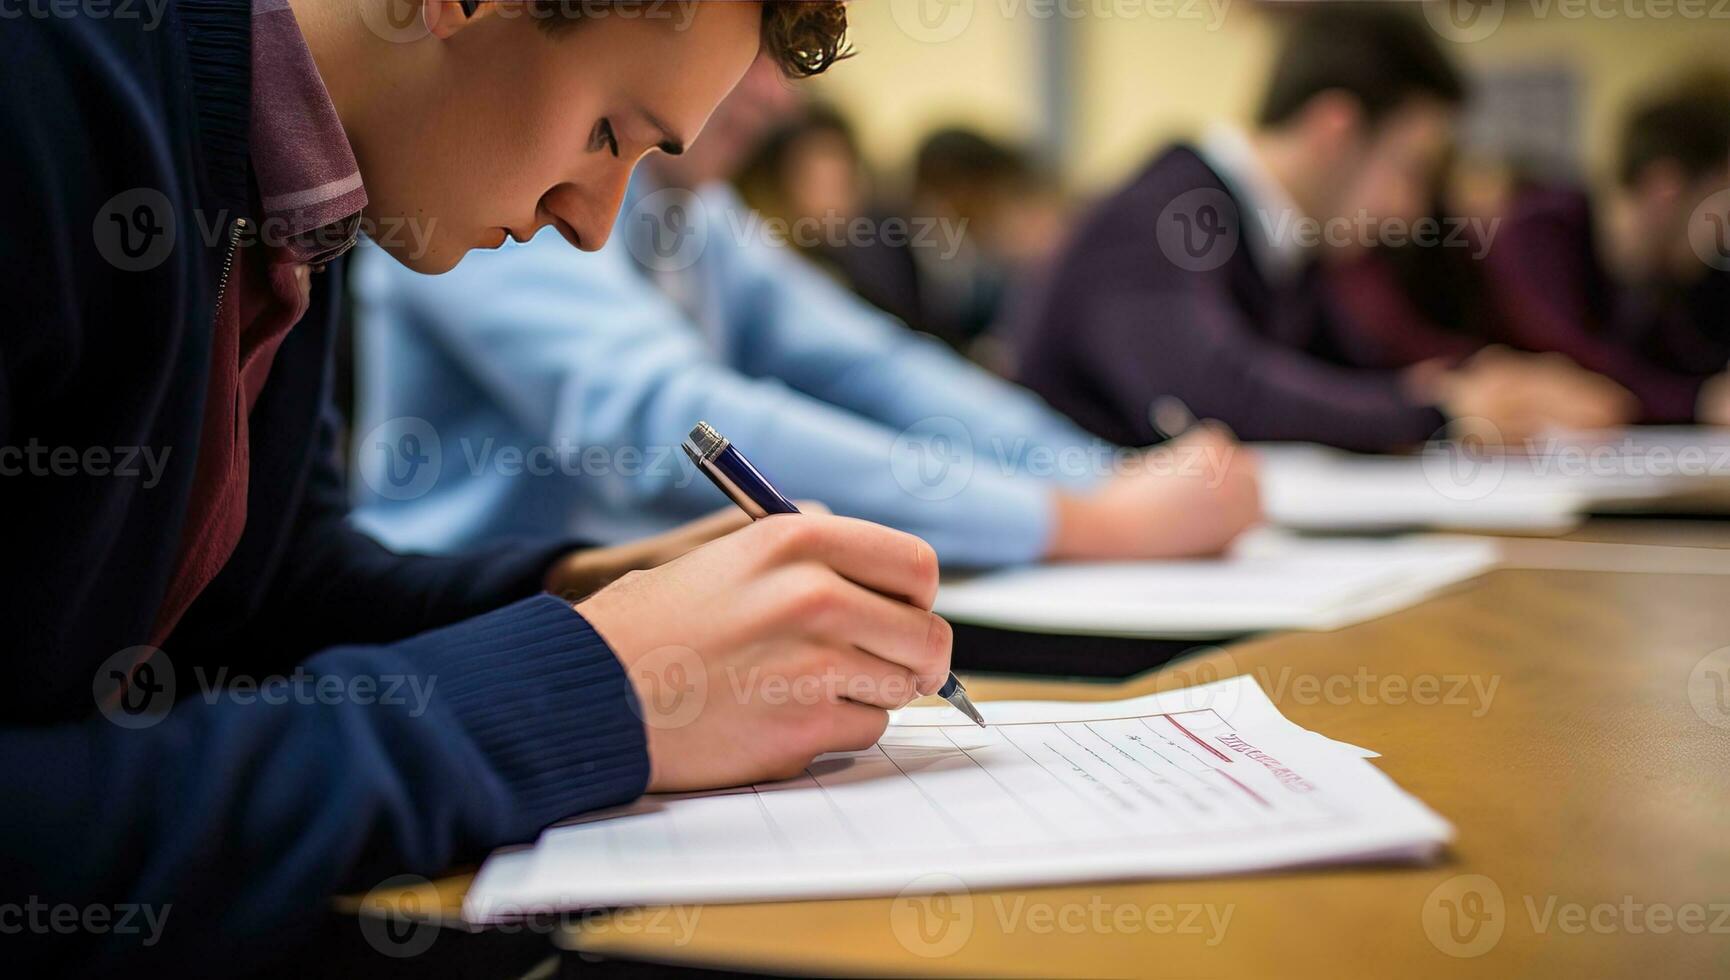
{"x": 1270, "y": 580}
{"x": 1548, "y": 487}
{"x": 1204, "y": 781}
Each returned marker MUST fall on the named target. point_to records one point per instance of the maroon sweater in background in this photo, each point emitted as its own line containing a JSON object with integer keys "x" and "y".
{"x": 1121, "y": 323}
{"x": 1554, "y": 295}
{"x": 1546, "y": 291}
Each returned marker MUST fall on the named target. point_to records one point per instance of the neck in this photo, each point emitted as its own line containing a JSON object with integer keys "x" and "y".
{"x": 336, "y": 37}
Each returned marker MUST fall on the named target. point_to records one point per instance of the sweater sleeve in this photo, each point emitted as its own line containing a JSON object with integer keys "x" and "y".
{"x": 1193, "y": 343}
{"x": 336, "y": 584}
{"x": 231, "y": 814}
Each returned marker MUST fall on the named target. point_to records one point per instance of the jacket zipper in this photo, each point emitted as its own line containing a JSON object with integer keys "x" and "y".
{"x": 234, "y": 231}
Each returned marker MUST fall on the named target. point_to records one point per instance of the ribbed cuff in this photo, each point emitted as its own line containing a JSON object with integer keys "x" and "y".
{"x": 549, "y": 706}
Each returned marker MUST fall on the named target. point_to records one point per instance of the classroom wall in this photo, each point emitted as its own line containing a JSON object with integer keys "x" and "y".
{"x": 1146, "y": 71}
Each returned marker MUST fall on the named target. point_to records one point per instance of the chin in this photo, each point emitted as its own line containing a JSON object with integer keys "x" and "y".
{"x": 431, "y": 261}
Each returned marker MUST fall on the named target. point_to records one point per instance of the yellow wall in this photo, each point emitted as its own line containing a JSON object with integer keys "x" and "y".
{"x": 1150, "y": 70}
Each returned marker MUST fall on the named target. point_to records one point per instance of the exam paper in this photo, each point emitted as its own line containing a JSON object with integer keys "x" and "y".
{"x": 1202, "y": 781}
{"x": 1269, "y": 580}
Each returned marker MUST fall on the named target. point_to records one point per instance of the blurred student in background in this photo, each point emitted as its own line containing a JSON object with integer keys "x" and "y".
{"x": 1200, "y": 281}
{"x": 1627, "y": 288}
{"x": 1622, "y": 289}
{"x": 980, "y": 213}
{"x": 590, "y": 370}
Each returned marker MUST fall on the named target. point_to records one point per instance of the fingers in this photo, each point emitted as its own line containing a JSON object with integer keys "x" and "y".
{"x": 877, "y": 682}
{"x": 853, "y": 727}
{"x": 831, "y": 610}
{"x": 890, "y": 562}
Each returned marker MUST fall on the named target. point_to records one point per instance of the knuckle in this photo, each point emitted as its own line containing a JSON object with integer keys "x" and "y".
{"x": 925, "y": 570}
{"x": 939, "y": 644}
{"x": 790, "y": 537}
{"x": 813, "y": 594}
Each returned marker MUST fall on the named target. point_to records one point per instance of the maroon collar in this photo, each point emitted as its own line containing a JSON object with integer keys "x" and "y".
{"x": 308, "y": 183}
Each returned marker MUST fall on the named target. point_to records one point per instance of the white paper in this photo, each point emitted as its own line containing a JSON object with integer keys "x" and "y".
{"x": 1270, "y": 580}
{"x": 1547, "y": 490}
{"x": 1204, "y": 781}
{"x": 1318, "y": 489}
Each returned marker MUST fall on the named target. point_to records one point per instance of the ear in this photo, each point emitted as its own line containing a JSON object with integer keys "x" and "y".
{"x": 444, "y": 18}
{"x": 1334, "y": 117}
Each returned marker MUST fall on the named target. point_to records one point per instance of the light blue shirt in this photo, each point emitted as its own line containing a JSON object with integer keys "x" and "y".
{"x": 538, "y": 389}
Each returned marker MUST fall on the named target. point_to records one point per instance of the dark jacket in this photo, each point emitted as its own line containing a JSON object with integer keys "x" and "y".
{"x": 238, "y": 813}
{"x": 1148, "y": 302}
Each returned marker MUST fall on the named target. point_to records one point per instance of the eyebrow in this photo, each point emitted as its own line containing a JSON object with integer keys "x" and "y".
{"x": 670, "y": 143}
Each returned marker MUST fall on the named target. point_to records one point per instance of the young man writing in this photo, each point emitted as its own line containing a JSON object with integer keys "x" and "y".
{"x": 176, "y": 200}
{"x": 1198, "y": 280}
{"x": 595, "y": 365}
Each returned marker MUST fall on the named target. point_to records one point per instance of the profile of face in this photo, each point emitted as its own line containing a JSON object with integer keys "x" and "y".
{"x": 499, "y": 127}
{"x": 1393, "y": 169}
{"x": 1644, "y": 231}
{"x": 823, "y": 177}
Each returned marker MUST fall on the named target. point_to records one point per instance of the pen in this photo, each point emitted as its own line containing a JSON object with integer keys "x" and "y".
{"x": 727, "y": 467}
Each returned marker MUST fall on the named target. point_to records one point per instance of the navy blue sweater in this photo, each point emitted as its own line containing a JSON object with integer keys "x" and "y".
{"x": 240, "y": 816}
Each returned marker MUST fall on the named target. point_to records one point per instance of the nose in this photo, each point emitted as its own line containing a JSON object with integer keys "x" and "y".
{"x": 592, "y": 208}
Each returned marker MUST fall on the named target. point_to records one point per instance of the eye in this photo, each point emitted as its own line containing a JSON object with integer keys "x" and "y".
{"x": 604, "y": 138}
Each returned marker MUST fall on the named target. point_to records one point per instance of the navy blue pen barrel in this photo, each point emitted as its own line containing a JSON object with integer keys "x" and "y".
{"x": 735, "y": 467}
{"x": 949, "y": 688}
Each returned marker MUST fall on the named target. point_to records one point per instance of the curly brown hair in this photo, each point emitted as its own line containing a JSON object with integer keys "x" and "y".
{"x": 804, "y": 37}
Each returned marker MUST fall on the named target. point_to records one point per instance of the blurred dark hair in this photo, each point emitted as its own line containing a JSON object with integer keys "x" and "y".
{"x": 761, "y": 178}
{"x": 956, "y": 157}
{"x": 804, "y": 37}
{"x": 1380, "y": 56}
{"x": 1689, "y": 126}
{"x": 769, "y": 161}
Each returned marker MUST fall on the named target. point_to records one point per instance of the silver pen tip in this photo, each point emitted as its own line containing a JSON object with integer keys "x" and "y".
{"x": 964, "y": 704}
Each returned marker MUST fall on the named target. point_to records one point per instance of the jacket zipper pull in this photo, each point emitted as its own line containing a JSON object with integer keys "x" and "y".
{"x": 234, "y": 231}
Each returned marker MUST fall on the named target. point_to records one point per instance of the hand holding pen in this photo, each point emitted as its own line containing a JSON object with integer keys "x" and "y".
{"x": 755, "y": 653}
{"x": 733, "y": 474}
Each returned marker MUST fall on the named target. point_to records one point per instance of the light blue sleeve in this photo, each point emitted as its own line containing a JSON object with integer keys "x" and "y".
{"x": 787, "y": 319}
{"x": 582, "y": 350}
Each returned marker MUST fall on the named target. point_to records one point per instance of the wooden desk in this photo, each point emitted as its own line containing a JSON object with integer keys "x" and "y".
{"x": 1588, "y": 777}
{"x": 1559, "y": 737}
